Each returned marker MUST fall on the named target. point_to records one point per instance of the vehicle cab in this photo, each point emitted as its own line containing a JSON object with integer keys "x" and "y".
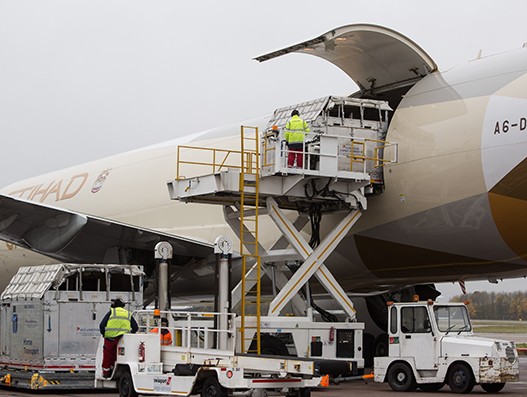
{"x": 432, "y": 344}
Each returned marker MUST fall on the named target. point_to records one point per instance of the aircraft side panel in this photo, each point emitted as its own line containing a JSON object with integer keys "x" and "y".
{"x": 451, "y": 205}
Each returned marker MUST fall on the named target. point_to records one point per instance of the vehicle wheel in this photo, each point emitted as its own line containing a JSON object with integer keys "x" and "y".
{"x": 430, "y": 387}
{"x": 492, "y": 387}
{"x": 460, "y": 378}
{"x": 270, "y": 345}
{"x": 381, "y": 345}
{"x": 126, "y": 385}
{"x": 368, "y": 342}
{"x": 212, "y": 388}
{"x": 401, "y": 378}
{"x": 304, "y": 392}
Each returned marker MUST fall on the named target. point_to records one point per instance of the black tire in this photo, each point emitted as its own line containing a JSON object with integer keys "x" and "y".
{"x": 492, "y": 387}
{"x": 460, "y": 378}
{"x": 126, "y": 385}
{"x": 431, "y": 387}
{"x": 270, "y": 345}
{"x": 401, "y": 378}
{"x": 304, "y": 392}
{"x": 212, "y": 388}
{"x": 381, "y": 345}
{"x": 368, "y": 342}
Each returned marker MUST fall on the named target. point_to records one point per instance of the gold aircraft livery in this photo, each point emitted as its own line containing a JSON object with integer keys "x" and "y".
{"x": 453, "y": 207}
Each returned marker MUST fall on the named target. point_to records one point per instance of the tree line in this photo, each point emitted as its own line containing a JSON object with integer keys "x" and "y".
{"x": 495, "y": 306}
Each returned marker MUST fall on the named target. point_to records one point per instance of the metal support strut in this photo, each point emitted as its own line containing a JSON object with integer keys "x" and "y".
{"x": 313, "y": 260}
{"x": 222, "y": 303}
{"x": 163, "y": 251}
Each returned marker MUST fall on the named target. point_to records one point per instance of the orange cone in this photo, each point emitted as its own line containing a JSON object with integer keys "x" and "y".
{"x": 324, "y": 382}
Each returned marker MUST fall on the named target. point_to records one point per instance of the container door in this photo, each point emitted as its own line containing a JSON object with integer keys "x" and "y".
{"x": 79, "y": 330}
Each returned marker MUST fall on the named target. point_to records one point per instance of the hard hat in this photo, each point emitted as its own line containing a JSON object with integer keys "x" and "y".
{"x": 118, "y": 303}
{"x": 295, "y": 113}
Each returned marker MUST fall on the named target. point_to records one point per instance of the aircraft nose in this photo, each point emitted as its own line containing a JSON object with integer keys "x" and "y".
{"x": 508, "y": 203}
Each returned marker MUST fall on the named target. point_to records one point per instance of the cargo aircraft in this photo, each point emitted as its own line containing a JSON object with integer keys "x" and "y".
{"x": 452, "y": 208}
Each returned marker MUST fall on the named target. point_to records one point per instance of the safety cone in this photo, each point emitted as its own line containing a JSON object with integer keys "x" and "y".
{"x": 324, "y": 382}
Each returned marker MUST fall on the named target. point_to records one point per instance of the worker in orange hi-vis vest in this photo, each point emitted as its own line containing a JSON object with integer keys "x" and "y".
{"x": 165, "y": 335}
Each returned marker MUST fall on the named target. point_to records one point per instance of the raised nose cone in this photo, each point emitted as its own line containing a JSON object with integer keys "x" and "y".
{"x": 508, "y": 203}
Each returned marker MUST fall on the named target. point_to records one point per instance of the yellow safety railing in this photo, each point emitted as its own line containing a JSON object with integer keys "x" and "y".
{"x": 269, "y": 150}
{"x": 272, "y": 142}
{"x": 249, "y": 203}
{"x": 202, "y": 161}
{"x": 214, "y": 160}
{"x": 377, "y": 159}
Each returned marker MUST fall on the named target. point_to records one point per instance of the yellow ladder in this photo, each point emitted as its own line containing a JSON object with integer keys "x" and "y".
{"x": 251, "y": 287}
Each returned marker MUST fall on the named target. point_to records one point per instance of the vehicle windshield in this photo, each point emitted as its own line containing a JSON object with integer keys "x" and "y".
{"x": 452, "y": 318}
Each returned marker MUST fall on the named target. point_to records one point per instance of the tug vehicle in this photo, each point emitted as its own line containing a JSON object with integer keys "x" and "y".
{"x": 432, "y": 344}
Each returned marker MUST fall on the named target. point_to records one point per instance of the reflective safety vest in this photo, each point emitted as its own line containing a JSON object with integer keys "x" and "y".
{"x": 295, "y": 130}
{"x": 166, "y": 336}
{"x": 118, "y": 322}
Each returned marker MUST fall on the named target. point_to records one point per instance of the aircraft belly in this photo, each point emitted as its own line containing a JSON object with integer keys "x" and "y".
{"x": 461, "y": 233}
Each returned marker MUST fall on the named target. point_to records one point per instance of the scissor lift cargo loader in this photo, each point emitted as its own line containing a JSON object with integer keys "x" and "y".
{"x": 343, "y": 156}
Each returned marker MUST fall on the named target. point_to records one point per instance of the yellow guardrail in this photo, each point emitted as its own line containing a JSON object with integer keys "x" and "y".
{"x": 220, "y": 159}
{"x": 377, "y": 159}
{"x": 273, "y": 142}
{"x": 206, "y": 160}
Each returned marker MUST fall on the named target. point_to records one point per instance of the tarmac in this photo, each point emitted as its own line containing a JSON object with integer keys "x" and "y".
{"x": 354, "y": 388}
{"x": 357, "y": 388}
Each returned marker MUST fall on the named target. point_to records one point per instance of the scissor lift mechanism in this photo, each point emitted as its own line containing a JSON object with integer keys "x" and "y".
{"x": 276, "y": 193}
{"x": 279, "y": 189}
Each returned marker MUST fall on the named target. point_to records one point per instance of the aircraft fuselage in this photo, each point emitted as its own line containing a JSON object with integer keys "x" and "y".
{"x": 453, "y": 206}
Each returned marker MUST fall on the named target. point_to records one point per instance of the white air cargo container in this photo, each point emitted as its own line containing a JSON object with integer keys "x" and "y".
{"x": 49, "y": 322}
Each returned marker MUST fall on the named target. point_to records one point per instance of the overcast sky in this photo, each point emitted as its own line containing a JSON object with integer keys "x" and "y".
{"x": 84, "y": 79}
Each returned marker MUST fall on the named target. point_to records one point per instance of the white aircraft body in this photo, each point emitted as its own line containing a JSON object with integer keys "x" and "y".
{"x": 453, "y": 207}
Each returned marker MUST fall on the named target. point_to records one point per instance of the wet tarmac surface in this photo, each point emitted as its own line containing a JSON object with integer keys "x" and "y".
{"x": 354, "y": 388}
{"x": 372, "y": 389}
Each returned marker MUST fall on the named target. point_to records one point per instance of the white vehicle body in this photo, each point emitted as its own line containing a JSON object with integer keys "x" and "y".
{"x": 334, "y": 347}
{"x": 193, "y": 364}
{"x": 431, "y": 344}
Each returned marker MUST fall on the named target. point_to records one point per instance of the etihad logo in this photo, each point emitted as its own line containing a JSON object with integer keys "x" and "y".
{"x": 97, "y": 185}
{"x": 59, "y": 189}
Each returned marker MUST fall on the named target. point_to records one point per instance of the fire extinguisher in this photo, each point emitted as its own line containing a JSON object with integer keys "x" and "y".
{"x": 141, "y": 352}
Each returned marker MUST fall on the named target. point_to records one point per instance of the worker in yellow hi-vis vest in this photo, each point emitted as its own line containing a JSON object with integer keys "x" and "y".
{"x": 295, "y": 133}
{"x": 117, "y": 322}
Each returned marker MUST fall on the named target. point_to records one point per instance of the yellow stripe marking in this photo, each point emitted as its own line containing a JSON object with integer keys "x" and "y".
{"x": 291, "y": 232}
{"x": 184, "y": 393}
{"x": 344, "y": 298}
